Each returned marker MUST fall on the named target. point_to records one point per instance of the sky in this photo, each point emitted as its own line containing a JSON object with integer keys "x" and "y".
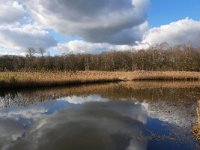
{"x": 163, "y": 12}
{"x": 95, "y": 26}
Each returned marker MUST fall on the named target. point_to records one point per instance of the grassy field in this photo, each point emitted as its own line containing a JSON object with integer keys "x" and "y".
{"x": 45, "y": 79}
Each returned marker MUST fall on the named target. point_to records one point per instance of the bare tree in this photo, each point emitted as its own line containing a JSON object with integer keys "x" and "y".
{"x": 42, "y": 51}
{"x": 31, "y": 51}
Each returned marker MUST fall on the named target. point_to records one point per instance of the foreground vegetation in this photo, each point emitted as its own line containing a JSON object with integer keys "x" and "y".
{"x": 13, "y": 80}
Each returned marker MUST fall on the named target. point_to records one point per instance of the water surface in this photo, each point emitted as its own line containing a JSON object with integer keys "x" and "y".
{"x": 121, "y": 116}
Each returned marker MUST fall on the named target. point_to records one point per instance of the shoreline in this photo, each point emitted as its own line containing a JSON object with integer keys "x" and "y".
{"x": 32, "y": 85}
{"x": 23, "y": 80}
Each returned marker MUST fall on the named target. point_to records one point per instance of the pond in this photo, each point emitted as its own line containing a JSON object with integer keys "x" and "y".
{"x": 118, "y": 116}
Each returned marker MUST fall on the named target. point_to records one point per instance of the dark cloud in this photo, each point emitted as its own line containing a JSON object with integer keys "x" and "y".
{"x": 94, "y": 21}
{"x": 94, "y": 125}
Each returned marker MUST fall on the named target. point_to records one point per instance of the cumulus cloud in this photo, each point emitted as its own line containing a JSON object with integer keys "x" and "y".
{"x": 84, "y": 99}
{"x": 185, "y": 31}
{"x": 10, "y": 11}
{"x": 18, "y": 38}
{"x": 112, "y": 21}
{"x": 180, "y": 32}
{"x": 79, "y": 46}
{"x": 26, "y": 113}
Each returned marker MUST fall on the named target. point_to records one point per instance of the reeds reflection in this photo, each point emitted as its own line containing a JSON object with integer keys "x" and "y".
{"x": 124, "y": 115}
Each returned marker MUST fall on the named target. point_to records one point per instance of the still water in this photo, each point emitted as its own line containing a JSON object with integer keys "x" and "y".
{"x": 120, "y": 116}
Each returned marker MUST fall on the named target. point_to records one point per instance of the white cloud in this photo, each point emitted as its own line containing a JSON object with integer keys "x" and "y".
{"x": 113, "y": 21}
{"x": 26, "y": 113}
{"x": 17, "y": 38}
{"x": 16, "y": 34}
{"x": 83, "y": 99}
{"x": 186, "y": 31}
{"x": 10, "y": 11}
{"x": 179, "y": 116}
{"x": 79, "y": 46}
{"x": 180, "y": 32}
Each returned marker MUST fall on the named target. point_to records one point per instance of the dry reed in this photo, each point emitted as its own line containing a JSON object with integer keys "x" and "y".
{"x": 44, "y": 79}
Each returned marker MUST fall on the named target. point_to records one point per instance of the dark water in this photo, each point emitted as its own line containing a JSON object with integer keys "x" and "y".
{"x": 99, "y": 117}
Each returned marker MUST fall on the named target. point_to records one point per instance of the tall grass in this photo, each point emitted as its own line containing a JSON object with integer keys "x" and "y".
{"x": 12, "y": 80}
{"x": 161, "y": 84}
{"x": 45, "y": 79}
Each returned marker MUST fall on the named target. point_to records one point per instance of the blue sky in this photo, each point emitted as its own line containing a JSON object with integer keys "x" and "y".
{"x": 165, "y": 11}
{"x": 95, "y": 26}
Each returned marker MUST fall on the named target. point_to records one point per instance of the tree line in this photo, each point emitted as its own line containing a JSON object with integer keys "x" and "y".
{"x": 158, "y": 58}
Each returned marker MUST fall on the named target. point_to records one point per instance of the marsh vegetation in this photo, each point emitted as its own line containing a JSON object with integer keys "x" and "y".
{"x": 13, "y": 80}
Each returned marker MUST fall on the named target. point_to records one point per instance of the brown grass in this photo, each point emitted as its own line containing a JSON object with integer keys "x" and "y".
{"x": 167, "y": 75}
{"x": 161, "y": 84}
{"x": 44, "y": 79}
{"x": 196, "y": 131}
{"x": 196, "y": 127}
{"x": 12, "y": 80}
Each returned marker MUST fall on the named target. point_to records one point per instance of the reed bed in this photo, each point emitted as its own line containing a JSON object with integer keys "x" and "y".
{"x": 161, "y": 84}
{"x": 167, "y": 75}
{"x": 12, "y": 80}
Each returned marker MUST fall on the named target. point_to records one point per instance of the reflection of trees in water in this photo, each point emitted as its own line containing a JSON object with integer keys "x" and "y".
{"x": 166, "y": 98}
{"x": 26, "y": 97}
{"x": 120, "y": 91}
{"x": 175, "y": 104}
{"x": 154, "y": 94}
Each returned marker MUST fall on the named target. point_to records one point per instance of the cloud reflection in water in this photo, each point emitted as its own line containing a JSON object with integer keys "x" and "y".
{"x": 76, "y": 122}
{"x": 92, "y": 125}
